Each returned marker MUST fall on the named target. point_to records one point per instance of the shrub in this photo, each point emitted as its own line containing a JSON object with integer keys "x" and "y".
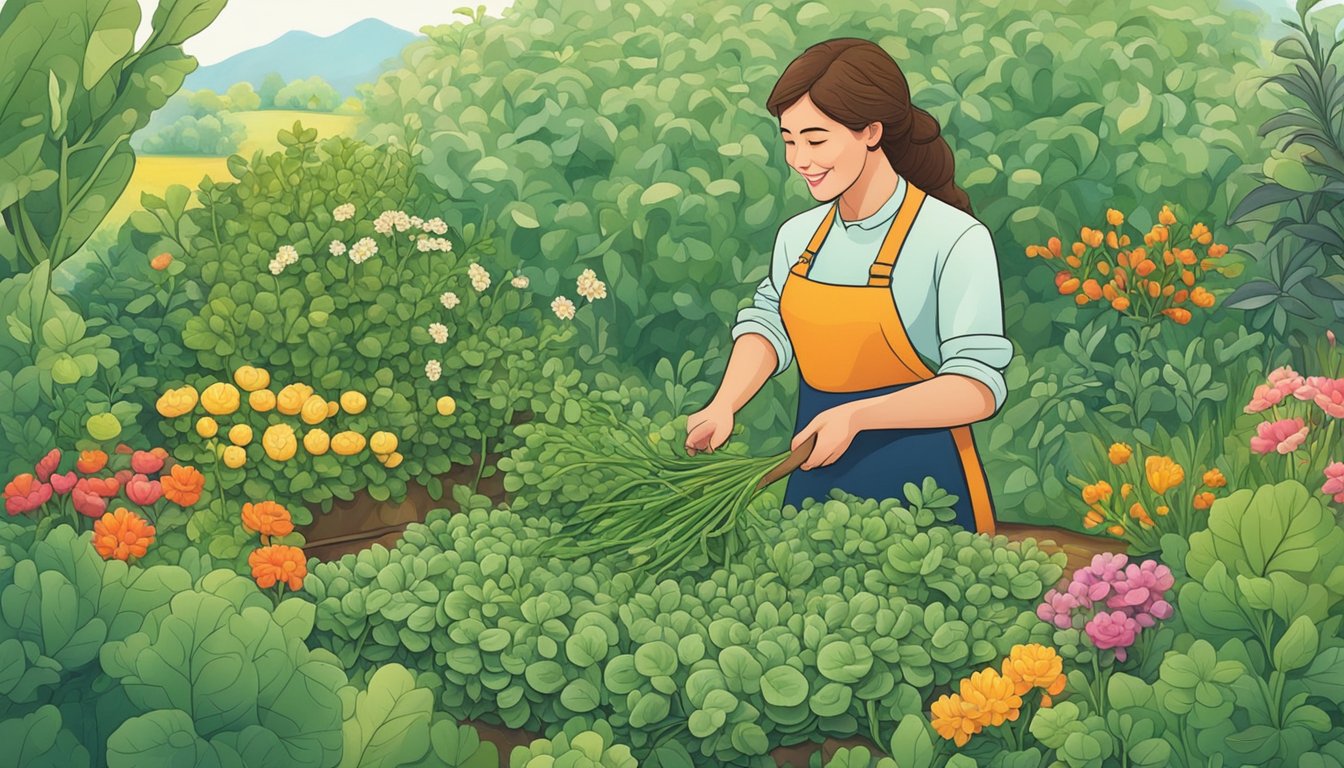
{"x": 209, "y": 135}
{"x": 313, "y": 94}
{"x": 801, "y": 639}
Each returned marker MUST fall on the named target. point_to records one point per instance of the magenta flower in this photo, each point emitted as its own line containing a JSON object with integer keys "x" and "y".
{"x": 146, "y": 463}
{"x": 1330, "y": 396}
{"x": 1334, "y": 481}
{"x": 1113, "y": 630}
{"x": 1283, "y": 436}
{"x": 63, "y": 483}
{"x": 143, "y": 491}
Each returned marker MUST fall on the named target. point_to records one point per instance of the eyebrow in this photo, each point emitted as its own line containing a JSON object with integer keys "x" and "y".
{"x": 782, "y": 129}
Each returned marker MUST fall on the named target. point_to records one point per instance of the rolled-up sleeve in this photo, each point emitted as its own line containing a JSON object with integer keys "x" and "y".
{"x": 971, "y": 341}
{"x": 762, "y": 317}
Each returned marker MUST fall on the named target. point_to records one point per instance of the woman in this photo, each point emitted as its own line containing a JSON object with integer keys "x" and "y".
{"x": 887, "y": 294}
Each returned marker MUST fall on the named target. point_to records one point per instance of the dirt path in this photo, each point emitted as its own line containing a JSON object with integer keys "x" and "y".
{"x": 1078, "y": 547}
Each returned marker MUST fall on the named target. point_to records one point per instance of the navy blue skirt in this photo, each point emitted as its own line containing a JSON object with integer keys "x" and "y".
{"x": 879, "y": 462}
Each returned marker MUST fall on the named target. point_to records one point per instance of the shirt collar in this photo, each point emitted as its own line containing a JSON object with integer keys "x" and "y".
{"x": 881, "y": 215}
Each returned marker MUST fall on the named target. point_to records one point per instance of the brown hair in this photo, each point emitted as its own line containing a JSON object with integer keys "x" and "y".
{"x": 855, "y": 83}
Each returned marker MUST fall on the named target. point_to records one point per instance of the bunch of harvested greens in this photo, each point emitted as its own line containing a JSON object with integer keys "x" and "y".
{"x": 661, "y": 504}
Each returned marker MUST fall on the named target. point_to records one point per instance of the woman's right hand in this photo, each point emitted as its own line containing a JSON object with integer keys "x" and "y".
{"x": 708, "y": 428}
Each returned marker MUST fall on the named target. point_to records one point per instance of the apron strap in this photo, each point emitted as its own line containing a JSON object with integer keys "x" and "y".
{"x": 880, "y": 273}
{"x": 804, "y": 264}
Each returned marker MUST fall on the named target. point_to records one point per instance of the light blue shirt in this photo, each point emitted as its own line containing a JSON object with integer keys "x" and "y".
{"x": 945, "y": 285}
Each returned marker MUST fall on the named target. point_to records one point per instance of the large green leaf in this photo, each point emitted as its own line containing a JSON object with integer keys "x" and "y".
{"x": 388, "y": 724}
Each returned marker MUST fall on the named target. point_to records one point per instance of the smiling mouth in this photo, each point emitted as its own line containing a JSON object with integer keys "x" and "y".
{"x": 814, "y": 179}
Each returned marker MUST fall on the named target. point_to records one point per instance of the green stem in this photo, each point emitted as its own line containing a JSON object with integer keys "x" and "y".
{"x": 480, "y": 470}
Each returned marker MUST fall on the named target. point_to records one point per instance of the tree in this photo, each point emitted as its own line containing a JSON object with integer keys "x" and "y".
{"x": 242, "y": 98}
{"x": 270, "y": 86}
{"x": 313, "y": 94}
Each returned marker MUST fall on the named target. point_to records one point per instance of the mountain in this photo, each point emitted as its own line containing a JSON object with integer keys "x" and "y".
{"x": 352, "y": 56}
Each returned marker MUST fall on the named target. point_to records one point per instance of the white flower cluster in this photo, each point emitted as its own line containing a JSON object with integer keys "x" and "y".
{"x": 387, "y": 220}
{"x": 439, "y": 333}
{"x": 520, "y": 281}
{"x": 284, "y": 257}
{"x": 435, "y": 226}
{"x": 362, "y": 250}
{"x": 480, "y": 279}
{"x": 589, "y": 287}
{"x": 433, "y": 369}
{"x": 337, "y": 248}
{"x": 563, "y": 308}
{"x": 427, "y": 244}
{"x": 344, "y": 212}
{"x": 449, "y": 300}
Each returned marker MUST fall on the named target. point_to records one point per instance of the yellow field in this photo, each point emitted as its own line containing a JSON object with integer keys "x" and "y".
{"x": 155, "y": 173}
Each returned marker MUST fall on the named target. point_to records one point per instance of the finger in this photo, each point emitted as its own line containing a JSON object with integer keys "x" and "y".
{"x": 699, "y": 437}
{"x": 813, "y": 459}
{"x": 803, "y": 435}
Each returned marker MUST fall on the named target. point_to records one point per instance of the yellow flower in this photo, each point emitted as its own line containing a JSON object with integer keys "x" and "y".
{"x": 1125, "y": 489}
{"x": 234, "y": 457}
{"x": 1116, "y": 530}
{"x": 279, "y": 442}
{"x": 1114, "y": 217}
{"x": 1162, "y": 510}
{"x": 316, "y": 442}
{"x": 261, "y": 400}
{"x": 990, "y": 698}
{"x": 333, "y": 408}
{"x": 251, "y": 379}
{"x": 1100, "y": 491}
{"x": 1119, "y": 453}
{"x": 1034, "y": 666}
{"x": 176, "y": 402}
{"x": 207, "y": 427}
{"x": 1163, "y": 473}
{"x": 391, "y": 460}
{"x": 353, "y": 402}
{"x": 1137, "y": 512}
{"x": 383, "y": 443}
{"x": 1166, "y": 217}
{"x": 220, "y": 398}
{"x": 950, "y": 720}
{"x": 240, "y": 434}
{"x": 446, "y": 405}
{"x": 291, "y": 399}
{"x": 347, "y": 443}
{"x": 314, "y": 409}
{"x": 1214, "y": 478}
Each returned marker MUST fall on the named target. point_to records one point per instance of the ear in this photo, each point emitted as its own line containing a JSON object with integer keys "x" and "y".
{"x": 873, "y": 135}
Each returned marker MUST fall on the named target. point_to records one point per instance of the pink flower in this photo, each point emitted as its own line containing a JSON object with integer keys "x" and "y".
{"x": 1113, "y": 630}
{"x": 25, "y": 494}
{"x": 1264, "y": 398}
{"x": 1309, "y": 387}
{"x": 1283, "y": 436}
{"x": 146, "y": 463}
{"x": 1334, "y": 481}
{"x": 88, "y": 504}
{"x": 63, "y": 483}
{"x": 48, "y": 464}
{"x": 123, "y": 477}
{"x": 1330, "y": 396}
{"x": 1285, "y": 379}
{"x": 1282, "y": 383}
{"x": 143, "y": 491}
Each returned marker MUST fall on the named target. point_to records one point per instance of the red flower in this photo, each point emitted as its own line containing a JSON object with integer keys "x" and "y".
{"x": 48, "y": 464}
{"x": 63, "y": 483}
{"x": 124, "y": 476}
{"x": 124, "y": 448}
{"x": 143, "y": 491}
{"x": 25, "y": 494}
{"x": 88, "y": 504}
{"x": 146, "y": 463}
{"x": 107, "y": 487}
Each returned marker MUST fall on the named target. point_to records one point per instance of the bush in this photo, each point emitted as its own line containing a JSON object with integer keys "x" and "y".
{"x": 209, "y": 135}
{"x": 313, "y": 94}
{"x": 801, "y": 639}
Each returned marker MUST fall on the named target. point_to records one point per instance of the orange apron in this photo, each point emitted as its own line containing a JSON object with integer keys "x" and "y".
{"x": 850, "y": 343}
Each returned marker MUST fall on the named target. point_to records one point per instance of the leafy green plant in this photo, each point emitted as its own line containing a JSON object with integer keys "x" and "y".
{"x": 577, "y": 744}
{"x": 209, "y": 135}
{"x": 79, "y": 89}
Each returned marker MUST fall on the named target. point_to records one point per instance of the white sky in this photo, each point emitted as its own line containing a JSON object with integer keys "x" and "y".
{"x": 246, "y": 24}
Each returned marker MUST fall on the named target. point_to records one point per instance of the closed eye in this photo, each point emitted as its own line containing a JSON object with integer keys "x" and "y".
{"x": 815, "y": 143}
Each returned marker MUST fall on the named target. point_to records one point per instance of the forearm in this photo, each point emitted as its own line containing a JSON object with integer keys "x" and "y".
{"x": 946, "y": 400}
{"x": 750, "y": 364}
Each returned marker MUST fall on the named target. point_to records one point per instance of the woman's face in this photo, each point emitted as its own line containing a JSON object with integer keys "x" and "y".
{"x": 825, "y": 153}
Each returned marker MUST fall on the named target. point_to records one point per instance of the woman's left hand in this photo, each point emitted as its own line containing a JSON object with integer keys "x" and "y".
{"x": 834, "y": 428}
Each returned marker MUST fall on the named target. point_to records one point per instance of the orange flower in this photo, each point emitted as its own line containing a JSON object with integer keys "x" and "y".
{"x": 1163, "y": 510}
{"x": 1111, "y": 240}
{"x": 1139, "y": 513}
{"x": 1163, "y": 473}
{"x": 1116, "y": 530}
{"x": 1101, "y": 491}
{"x": 1180, "y": 296}
{"x": 1056, "y": 247}
{"x": 1119, "y": 453}
{"x": 1079, "y": 249}
{"x": 1125, "y": 489}
{"x": 1093, "y": 518}
{"x": 1104, "y": 267}
{"x": 183, "y": 485}
{"x": 1069, "y": 286}
{"x": 1092, "y": 289}
{"x": 1187, "y": 277}
{"x": 91, "y": 461}
{"x": 1187, "y": 256}
{"x": 1034, "y": 666}
{"x": 161, "y": 261}
{"x": 1217, "y": 250}
{"x": 1201, "y": 234}
{"x": 1074, "y": 261}
{"x": 1120, "y": 303}
{"x": 989, "y": 698}
{"x": 1201, "y": 297}
{"x": 1114, "y": 217}
{"x": 1204, "y": 500}
{"x": 122, "y": 535}
{"x": 951, "y": 720}
{"x": 1081, "y": 299}
{"x": 267, "y": 518}
{"x": 1168, "y": 257}
{"x": 1166, "y": 217}
{"x": 1179, "y": 315}
{"x": 1214, "y": 478}
{"x": 1144, "y": 268}
{"x": 278, "y": 563}
{"x": 1091, "y": 237}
